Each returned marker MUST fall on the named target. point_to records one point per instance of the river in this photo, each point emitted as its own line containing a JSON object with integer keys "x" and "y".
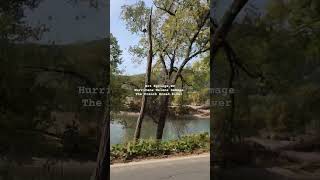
{"x": 122, "y": 127}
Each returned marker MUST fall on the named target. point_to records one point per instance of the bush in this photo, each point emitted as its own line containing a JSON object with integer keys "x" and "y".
{"x": 153, "y": 148}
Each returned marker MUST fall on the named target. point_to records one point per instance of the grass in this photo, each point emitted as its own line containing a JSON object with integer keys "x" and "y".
{"x": 147, "y": 148}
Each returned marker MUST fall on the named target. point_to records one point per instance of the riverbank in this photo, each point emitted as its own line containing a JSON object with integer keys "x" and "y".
{"x": 285, "y": 158}
{"x": 152, "y": 149}
{"x": 298, "y": 157}
{"x": 193, "y": 112}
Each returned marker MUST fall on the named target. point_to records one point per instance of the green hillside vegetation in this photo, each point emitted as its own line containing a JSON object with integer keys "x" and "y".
{"x": 40, "y": 80}
{"x": 271, "y": 59}
{"x": 195, "y": 85}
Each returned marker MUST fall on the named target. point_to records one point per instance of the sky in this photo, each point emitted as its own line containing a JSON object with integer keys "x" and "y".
{"x": 74, "y": 23}
{"x": 69, "y": 23}
{"x": 124, "y": 37}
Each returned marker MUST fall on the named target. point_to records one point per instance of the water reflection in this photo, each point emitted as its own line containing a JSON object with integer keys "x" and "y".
{"x": 123, "y": 126}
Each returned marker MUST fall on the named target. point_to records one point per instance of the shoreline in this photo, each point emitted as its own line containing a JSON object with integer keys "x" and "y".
{"x": 195, "y": 112}
{"x": 188, "y": 116}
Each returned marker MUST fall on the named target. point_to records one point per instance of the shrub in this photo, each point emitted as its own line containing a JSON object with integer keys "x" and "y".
{"x": 152, "y": 148}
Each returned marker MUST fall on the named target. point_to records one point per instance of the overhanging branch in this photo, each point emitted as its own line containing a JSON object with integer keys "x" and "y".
{"x": 167, "y": 10}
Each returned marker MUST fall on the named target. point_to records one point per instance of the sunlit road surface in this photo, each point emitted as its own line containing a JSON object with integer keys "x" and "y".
{"x": 181, "y": 168}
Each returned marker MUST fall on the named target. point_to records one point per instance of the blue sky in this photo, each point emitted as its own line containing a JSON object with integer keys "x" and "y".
{"x": 124, "y": 37}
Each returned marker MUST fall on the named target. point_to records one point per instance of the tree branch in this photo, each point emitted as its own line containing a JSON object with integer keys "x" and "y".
{"x": 238, "y": 63}
{"x": 187, "y": 60}
{"x": 164, "y": 66}
{"x": 193, "y": 39}
{"x": 165, "y": 9}
{"x": 184, "y": 81}
{"x": 226, "y": 23}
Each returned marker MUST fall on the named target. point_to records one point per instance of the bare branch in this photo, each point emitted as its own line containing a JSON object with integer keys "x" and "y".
{"x": 163, "y": 64}
{"x": 199, "y": 29}
{"x": 238, "y": 63}
{"x": 184, "y": 81}
{"x": 187, "y": 60}
{"x": 167, "y": 10}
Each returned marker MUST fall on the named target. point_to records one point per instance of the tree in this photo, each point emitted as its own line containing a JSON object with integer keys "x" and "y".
{"x": 115, "y": 55}
{"x": 180, "y": 33}
{"x": 147, "y": 79}
{"x": 13, "y": 28}
{"x": 221, "y": 135}
{"x": 117, "y": 92}
{"x": 195, "y": 82}
{"x": 103, "y": 158}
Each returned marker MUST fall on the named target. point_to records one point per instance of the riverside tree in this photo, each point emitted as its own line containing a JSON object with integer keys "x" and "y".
{"x": 222, "y": 133}
{"x": 180, "y": 33}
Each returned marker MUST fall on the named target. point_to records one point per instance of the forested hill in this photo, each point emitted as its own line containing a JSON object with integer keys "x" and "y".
{"x": 195, "y": 80}
{"x": 37, "y": 80}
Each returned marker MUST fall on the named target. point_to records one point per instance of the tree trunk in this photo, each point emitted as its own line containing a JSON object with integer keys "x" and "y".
{"x": 230, "y": 123}
{"x": 164, "y": 105}
{"x": 217, "y": 40}
{"x": 147, "y": 81}
{"x": 162, "y": 116}
{"x": 223, "y": 29}
{"x": 103, "y": 159}
{"x": 102, "y": 170}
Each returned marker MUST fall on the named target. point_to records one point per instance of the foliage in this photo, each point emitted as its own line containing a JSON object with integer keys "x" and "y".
{"x": 30, "y": 96}
{"x": 281, "y": 51}
{"x": 115, "y": 54}
{"x": 195, "y": 83}
{"x": 118, "y": 93}
{"x": 12, "y": 26}
{"x": 175, "y": 36}
{"x": 153, "y": 148}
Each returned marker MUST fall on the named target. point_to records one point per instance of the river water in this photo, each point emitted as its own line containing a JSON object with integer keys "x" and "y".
{"x": 122, "y": 127}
